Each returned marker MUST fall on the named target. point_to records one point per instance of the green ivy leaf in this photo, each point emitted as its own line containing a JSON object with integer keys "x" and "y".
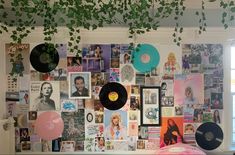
{"x": 233, "y": 9}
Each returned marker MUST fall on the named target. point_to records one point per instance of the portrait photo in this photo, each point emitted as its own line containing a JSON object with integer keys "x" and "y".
{"x": 115, "y": 125}
{"x": 79, "y": 85}
{"x": 44, "y": 95}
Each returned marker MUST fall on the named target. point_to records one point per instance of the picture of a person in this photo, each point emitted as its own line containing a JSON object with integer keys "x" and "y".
{"x": 43, "y": 102}
{"x": 115, "y": 130}
{"x": 172, "y": 135}
{"x": 100, "y": 144}
{"x": 216, "y": 116}
{"x": 81, "y": 90}
{"x": 127, "y": 58}
{"x": 216, "y": 101}
{"x": 171, "y": 66}
{"x": 189, "y": 129}
{"x": 189, "y": 100}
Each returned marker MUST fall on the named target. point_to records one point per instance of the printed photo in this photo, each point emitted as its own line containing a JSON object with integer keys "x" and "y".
{"x": 69, "y": 105}
{"x": 17, "y": 56}
{"x": 74, "y": 64}
{"x": 172, "y": 132}
{"x": 79, "y": 85}
{"x": 189, "y": 128}
{"x": 25, "y": 146}
{"x": 74, "y": 126}
{"x": 114, "y": 75}
{"x": 115, "y": 125}
{"x": 96, "y": 58}
{"x": 99, "y": 144}
{"x": 99, "y": 79}
{"x": 67, "y": 146}
{"x": 216, "y": 101}
{"x": 44, "y": 96}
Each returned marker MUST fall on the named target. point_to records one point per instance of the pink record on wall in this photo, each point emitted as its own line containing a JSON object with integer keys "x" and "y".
{"x": 49, "y": 125}
{"x": 180, "y": 149}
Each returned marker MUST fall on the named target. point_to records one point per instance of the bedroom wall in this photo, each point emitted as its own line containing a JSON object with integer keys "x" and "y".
{"x": 120, "y": 35}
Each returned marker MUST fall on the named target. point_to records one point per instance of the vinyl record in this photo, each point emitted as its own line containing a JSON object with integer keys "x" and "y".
{"x": 44, "y": 58}
{"x": 145, "y": 58}
{"x": 113, "y": 96}
{"x": 49, "y": 125}
{"x": 209, "y": 136}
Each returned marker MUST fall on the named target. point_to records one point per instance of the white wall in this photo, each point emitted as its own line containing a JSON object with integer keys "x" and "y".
{"x": 120, "y": 35}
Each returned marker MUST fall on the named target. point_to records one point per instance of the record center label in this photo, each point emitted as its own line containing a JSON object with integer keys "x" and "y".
{"x": 209, "y": 136}
{"x": 113, "y": 96}
{"x": 44, "y": 58}
{"x": 145, "y": 58}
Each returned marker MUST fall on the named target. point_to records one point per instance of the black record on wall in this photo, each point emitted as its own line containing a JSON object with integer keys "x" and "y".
{"x": 113, "y": 96}
{"x": 44, "y": 58}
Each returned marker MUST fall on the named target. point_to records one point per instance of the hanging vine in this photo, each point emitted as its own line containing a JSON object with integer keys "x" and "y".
{"x": 140, "y": 16}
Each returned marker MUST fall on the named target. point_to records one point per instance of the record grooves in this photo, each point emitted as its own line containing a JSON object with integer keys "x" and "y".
{"x": 113, "y": 96}
{"x": 209, "y": 136}
{"x": 44, "y": 58}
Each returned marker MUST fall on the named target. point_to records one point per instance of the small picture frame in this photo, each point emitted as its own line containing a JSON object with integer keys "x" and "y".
{"x": 151, "y": 106}
{"x": 79, "y": 85}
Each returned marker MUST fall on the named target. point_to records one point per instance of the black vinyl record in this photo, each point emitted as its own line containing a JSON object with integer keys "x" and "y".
{"x": 44, "y": 58}
{"x": 113, "y": 96}
{"x": 209, "y": 136}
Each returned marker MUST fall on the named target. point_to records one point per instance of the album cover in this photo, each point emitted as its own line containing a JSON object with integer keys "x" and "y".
{"x": 96, "y": 57}
{"x": 173, "y": 124}
{"x": 189, "y": 90}
{"x": 17, "y": 56}
{"x": 115, "y": 118}
{"x": 74, "y": 123}
{"x": 44, "y": 95}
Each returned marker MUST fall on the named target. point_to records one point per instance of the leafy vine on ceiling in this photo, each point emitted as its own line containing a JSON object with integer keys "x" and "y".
{"x": 139, "y": 16}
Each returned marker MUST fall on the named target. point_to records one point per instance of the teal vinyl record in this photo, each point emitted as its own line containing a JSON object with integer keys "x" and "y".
{"x": 145, "y": 58}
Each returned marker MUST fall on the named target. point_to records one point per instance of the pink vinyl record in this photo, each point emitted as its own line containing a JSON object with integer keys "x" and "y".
{"x": 49, "y": 125}
{"x": 180, "y": 149}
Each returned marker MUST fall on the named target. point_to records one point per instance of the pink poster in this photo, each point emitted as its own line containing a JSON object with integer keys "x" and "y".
{"x": 189, "y": 89}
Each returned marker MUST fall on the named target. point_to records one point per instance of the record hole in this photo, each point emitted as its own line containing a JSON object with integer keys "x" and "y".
{"x": 113, "y": 96}
{"x": 209, "y": 136}
{"x": 44, "y": 58}
{"x": 145, "y": 58}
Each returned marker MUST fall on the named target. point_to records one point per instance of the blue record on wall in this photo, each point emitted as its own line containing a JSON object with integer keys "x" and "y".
{"x": 145, "y": 58}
